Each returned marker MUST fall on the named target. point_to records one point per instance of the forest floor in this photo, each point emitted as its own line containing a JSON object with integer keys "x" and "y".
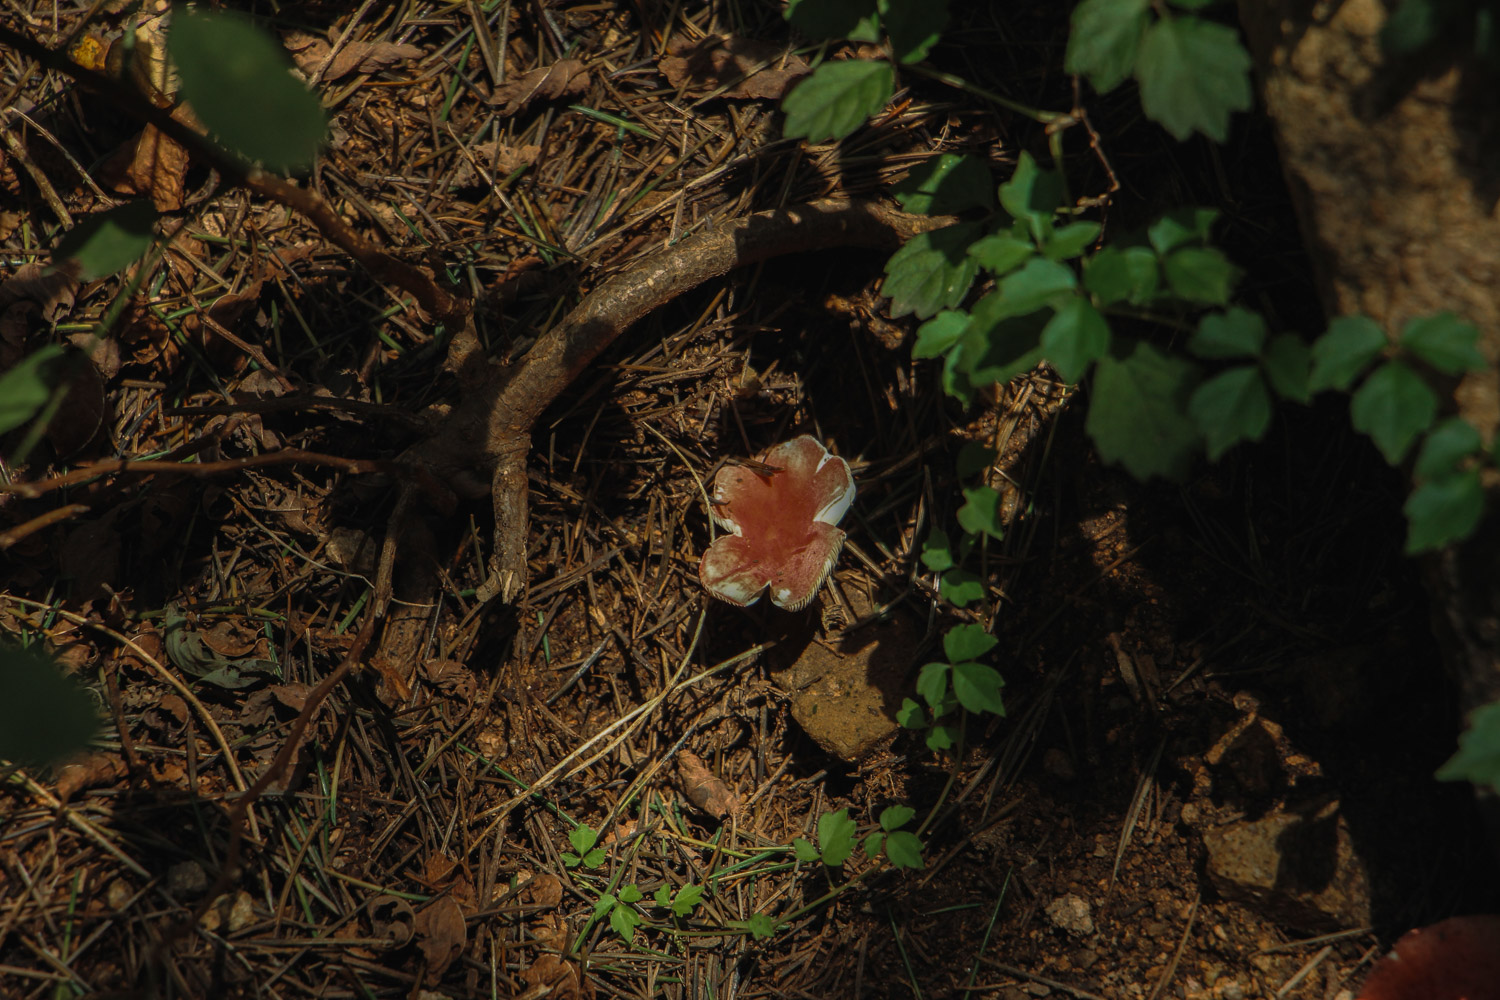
{"x": 1202, "y": 679}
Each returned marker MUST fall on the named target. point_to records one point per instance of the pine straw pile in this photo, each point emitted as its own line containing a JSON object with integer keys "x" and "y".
{"x": 415, "y": 842}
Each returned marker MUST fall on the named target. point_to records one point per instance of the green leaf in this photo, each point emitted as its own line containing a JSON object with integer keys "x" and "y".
{"x": 1413, "y": 25}
{"x": 1238, "y": 333}
{"x": 977, "y": 687}
{"x": 1003, "y": 252}
{"x": 1200, "y": 274}
{"x": 1104, "y": 39}
{"x": 804, "y": 850}
{"x": 998, "y": 345}
{"x": 852, "y": 19}
{"x": 583, "y": 838}
{"x": 1478, "y": 756}
{"x": 961, "y": 588}
{"x": 1031, "y": 288}
{"x": 940, "y": 738}
{"x": 1286, "y": 363}
{"x": 1033, "y": 195}
{"x": 935, "y": 336}
{"x": 911, "y": 715}
{"x": 1131, "y": 274}
{"x": 946, "y": 184}
{"x": 1447, "y": 444}
{"x": 108, "y": 241}
{"x": 836, "y": 837}
{"x": 873, "y": 843}
{"x": 624, "y": 920}
{"x": 25, "y": 389}
{"x": 687, "y": 899}
{"x": 836, "y": 99}
{"x": 663, "y": 894}
{"x": 1443, "y": 511}
{"x": 1341, "y": 353}
{"x": 238, "y": 80}
{"x": 1181, "y": 227}
{"x": 932, "y": 685}
{"x": 974, "y": 458}
{"x": 631, "y": 894}
{"x": 981, "y": 512}
{"x": 570, "y": 859}
{"x": 1393, "y": 406}
{"x": 1075, "y": 337}
{"x": 967, "y": 642}
{"x": 761, "y": 926}
{"x": 1071, "y": 240}
{"x": 1138, "y": 413}
{"x": 1445, "y": 342}
{"x": 1193, "y": 74}
{"x": 604, "y": 904}
{"x": 44, "y": 716}
{"x": 931, "y": 271}
{"x": 190, "y": 654}
{"x": 904, "y": 849}
{"x": 1231, "y": 407}
{"x": 913, "y": 26}
{"x": 594, "y": 858}
{"x": 895, "y": 817}
{"x": 936, "y": 554}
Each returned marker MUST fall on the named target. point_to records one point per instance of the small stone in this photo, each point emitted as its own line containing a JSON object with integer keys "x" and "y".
{"x": 1071, "y": 913}
{"x": 1233, "y": 991}
{"x": 1084, "y": 958}
{"x": 187, "y": 879}
{"x": 117, "y": 894}
{"x": 1038, "y": 989}
{"x": 1058, "y": 764}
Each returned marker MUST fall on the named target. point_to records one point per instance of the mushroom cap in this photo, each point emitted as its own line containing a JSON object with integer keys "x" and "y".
{"x": 781, "y": 525}
{"x": 1455, "y": 959}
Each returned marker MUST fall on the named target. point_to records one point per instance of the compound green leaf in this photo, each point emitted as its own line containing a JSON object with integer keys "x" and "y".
{"x": 1231, "y": 407}
{"x": 1393, "y": 406}
{"x": 914, "y": 26}
{"x": 1035, "y": 285}
{"x": 1446, "y": 445}
{"x": 837, "y": 98}
{"x": 946, "y": 184}
{"x": 1003, "y": 252}
{"x": 1071, "y": 240}
{"x": 1138, "y": 413}
{"x": 1478, "y": 757}
{"x": 24, "y": 390}
{"x": 967, "y": 642}
{"x": 1075, "y": 337}
{"x": 1193, "y": 75}
{"x": 1033, "y": 195}
{"x": 1445, "y": 342}
{"x": 1443, "y": 511}
{"x": 1104, "y": 39}
{"x": 895, "y": 817}
{"x": 1341, "y": 353}
{"x": 1200, "y": 274}
{"x": 935, "y": 336}
{"x": 961, "y": 588}
{"x": 836, "y": 837}
{"x": 582, "y": 837}
{"x": 1237, "y": 333}
{"x": 238, "y": 80}
{"x": 857, "y": 20}
{"x": 1286, "y": 363}
{"x": 931, "y": 271}
{"x": 904, "y": 849}
{"x": 44, "y": 716}
{"x": 1131, "y": 274}
{"x": 977, "y": 687}
{"x": 1180, "y": 227}
{"x": 108, "y": 241}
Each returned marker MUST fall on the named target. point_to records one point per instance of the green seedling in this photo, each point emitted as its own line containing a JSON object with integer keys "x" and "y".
{"x": 583, "y": 838}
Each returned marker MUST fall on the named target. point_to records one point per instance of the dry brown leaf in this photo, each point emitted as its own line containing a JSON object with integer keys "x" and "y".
{"x": 309, "y": 51}
{"x": 746, "y": 67}
{"x": 552, "y": 975}
{"x": 441, "y": 935}
{"x": 84, "y": 408}
{"x": 50, "y": 291}
{"x": 157, "y": 169}
{"x": 92, "y": 771}
{"x": 563, "y": 78}
{"x": 391, "y": 919}
{"x": 495, "y": 158}
{"x": 702, "y": 789}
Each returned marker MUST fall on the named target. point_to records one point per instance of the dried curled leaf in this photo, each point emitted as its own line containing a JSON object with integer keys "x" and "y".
{"x": 703, "y": 789}
{"x": 733, "y": 67}
{"x": 563, "y": 78}
{"x": 309, "y": 52}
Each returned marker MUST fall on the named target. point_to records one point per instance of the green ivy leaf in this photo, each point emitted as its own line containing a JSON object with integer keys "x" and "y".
{"x": 238, "y": 80}
{"x": 1447, "y": 444}
{"x": 108, "y": 241}
{"x": 895, "y": 817}
{"x": 1138, "y": 413}
{"x": 1181, "y": 227}
{"x": 1193, "y": 74}
{"x": 1237, "y": 333}
{"x": 1002, "y": 252}
{"x": 1443, "y": 511}
{"x": 936, "y": 554}
{"x": 1200, "y": 274}
{"x": 1393, "y": 406}
{"x": 911, "y": 715}
{"x": 837, "y": 98}
{"x": 1478, "y": 756}
{"x": 856, "y": 20}
{"x": 1071, "y": 240}
{"x": 1286, "y": 363}
{"x": 981, "y": 513}
{"x": 935, "y": 336}
{"x": 24, "y": 390}
{"x": 961, "y": 588}
{"x": 932, "y": 685}
{"x": 1445, "y": 342}
{"x": 1104, "y": 39}
{"x": 931, "y": 271}
{"x": 1131, "y": 274}
{"x": 1231, "y": 407}
{"x": 913, "y": 26}
{"x": 974, "y": 458}
{"x": 1075, "y": 337}
{"x": 946, "y": 184}
{"x": 44, "y": 716}
{"x": 1033, "y": 195}
{"x": 967, "y": 642}
{"x": 836, "y": 837}
{"x": 1341, "y": 353}
{"x": 977, "y": 687}
{"x": 904, "y": 849}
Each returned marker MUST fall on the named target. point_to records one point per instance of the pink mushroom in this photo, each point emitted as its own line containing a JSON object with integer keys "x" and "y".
{"x": 1456, "y": 959}
{"x": 780, "y": 518}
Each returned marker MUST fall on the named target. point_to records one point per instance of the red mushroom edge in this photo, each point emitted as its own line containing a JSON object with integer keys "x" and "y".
{"x": 1455, "y": 959}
